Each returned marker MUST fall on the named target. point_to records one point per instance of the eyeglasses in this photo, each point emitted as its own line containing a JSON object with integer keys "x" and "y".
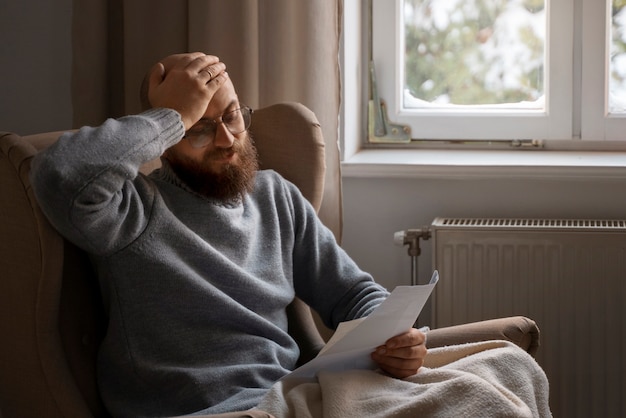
{"x": 203, "y": 133}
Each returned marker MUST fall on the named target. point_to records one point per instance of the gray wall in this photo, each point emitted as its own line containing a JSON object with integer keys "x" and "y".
{"x": 375, "y": 208}
{"x": 35, "y": 47}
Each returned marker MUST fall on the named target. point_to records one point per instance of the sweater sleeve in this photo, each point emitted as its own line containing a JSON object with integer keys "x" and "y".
{"x": 325, "y": 277}
{"x": 87, "y": 183}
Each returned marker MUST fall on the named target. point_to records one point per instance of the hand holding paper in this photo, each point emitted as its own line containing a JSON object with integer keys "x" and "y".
{"x": 403, "y": 355}
{"x": 352, "y": 343}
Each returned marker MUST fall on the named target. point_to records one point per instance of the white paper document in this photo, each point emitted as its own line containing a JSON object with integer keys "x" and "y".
{"x": 353, "y": 341}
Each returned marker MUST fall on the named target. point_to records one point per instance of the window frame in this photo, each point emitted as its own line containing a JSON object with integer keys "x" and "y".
{"x": 569, "y": 121}
{"x": 597, "y": 123}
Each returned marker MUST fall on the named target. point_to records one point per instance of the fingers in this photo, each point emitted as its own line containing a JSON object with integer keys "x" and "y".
{"x": 399, "y": 368}
{"x": 401, "y": 362}
{"x": 195, "y": 60}
{"x": 202, "y": 60}
{"x": 215, "y": 83}
{"x": 212, "y": 71}
{"x": 410, "y": 338}
{"x": 186, "y": 83}
{"x": 206, "y": 67}
{"x": 157, "y": 73}
{"x": 403, "y": 355}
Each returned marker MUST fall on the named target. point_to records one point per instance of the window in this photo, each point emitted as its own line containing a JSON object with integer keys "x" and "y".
{"x": 501, "y": 70}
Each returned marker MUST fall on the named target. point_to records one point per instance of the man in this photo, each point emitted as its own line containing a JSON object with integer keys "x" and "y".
{"x": 198, "y": 261}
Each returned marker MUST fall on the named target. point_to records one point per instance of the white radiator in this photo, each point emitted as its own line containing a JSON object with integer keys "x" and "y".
{"x": 568, "y": 275}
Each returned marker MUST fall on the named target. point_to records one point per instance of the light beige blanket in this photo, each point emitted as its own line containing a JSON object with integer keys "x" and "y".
{"x": 487, "y": 379}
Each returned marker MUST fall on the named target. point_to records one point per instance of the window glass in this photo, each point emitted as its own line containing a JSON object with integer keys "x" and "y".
{"x": 617, "y": 66}
{"x": 474, "y": 52}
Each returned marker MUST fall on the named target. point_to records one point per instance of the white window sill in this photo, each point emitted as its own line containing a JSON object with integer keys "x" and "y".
{"x": 429, "y": 163}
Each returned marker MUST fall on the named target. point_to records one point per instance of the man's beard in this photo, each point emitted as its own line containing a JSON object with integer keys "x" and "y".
{"x": 231, "y": 183}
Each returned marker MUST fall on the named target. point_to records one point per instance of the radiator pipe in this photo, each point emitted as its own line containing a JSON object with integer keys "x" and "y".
{"x": 411, "y": 237}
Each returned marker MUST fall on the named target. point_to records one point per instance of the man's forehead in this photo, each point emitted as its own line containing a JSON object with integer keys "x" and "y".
{"x": 223, "y": 100}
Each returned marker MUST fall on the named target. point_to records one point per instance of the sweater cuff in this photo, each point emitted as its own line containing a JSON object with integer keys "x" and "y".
{"x": 169, "y": 124}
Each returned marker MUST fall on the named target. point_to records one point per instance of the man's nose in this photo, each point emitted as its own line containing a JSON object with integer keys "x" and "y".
{"x": 223, "y": 137}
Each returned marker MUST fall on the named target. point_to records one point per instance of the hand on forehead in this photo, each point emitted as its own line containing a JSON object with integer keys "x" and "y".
{"x": 198, "y": 60}
{"x": 186, "y": 83}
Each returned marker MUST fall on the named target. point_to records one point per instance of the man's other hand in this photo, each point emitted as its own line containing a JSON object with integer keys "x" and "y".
{"x": 402, "y": 356}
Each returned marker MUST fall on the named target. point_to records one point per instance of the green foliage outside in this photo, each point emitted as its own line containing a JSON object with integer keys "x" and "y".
{"x": 468, "y": 60}
{"x": 618, "y": 50}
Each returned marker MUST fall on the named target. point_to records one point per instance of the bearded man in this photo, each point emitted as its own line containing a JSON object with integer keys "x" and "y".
{"x": 198, "y": 261}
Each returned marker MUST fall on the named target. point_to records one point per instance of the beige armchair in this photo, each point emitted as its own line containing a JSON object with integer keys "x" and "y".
{"x": 51, "y": 319}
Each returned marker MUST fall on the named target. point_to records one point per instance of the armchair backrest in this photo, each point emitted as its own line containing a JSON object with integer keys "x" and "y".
{"x": 51, "y": 318}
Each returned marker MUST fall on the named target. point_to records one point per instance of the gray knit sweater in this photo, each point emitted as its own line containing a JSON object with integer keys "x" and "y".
{"x": 195, "y": 290}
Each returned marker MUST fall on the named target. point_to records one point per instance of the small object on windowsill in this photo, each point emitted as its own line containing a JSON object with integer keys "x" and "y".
{"x": 379, "y": 128}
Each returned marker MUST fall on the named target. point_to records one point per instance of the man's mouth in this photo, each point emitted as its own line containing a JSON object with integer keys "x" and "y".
{"x": 224, "y": 157}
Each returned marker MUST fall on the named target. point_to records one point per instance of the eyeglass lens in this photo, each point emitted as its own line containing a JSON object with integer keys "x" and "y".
{"x": 236, "y": 121}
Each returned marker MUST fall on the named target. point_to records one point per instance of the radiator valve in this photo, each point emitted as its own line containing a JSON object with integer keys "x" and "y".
{"x": 411, "y": 237}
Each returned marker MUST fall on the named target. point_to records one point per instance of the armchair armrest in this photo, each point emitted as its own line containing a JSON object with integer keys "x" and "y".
{"x": 518, "y": 329}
